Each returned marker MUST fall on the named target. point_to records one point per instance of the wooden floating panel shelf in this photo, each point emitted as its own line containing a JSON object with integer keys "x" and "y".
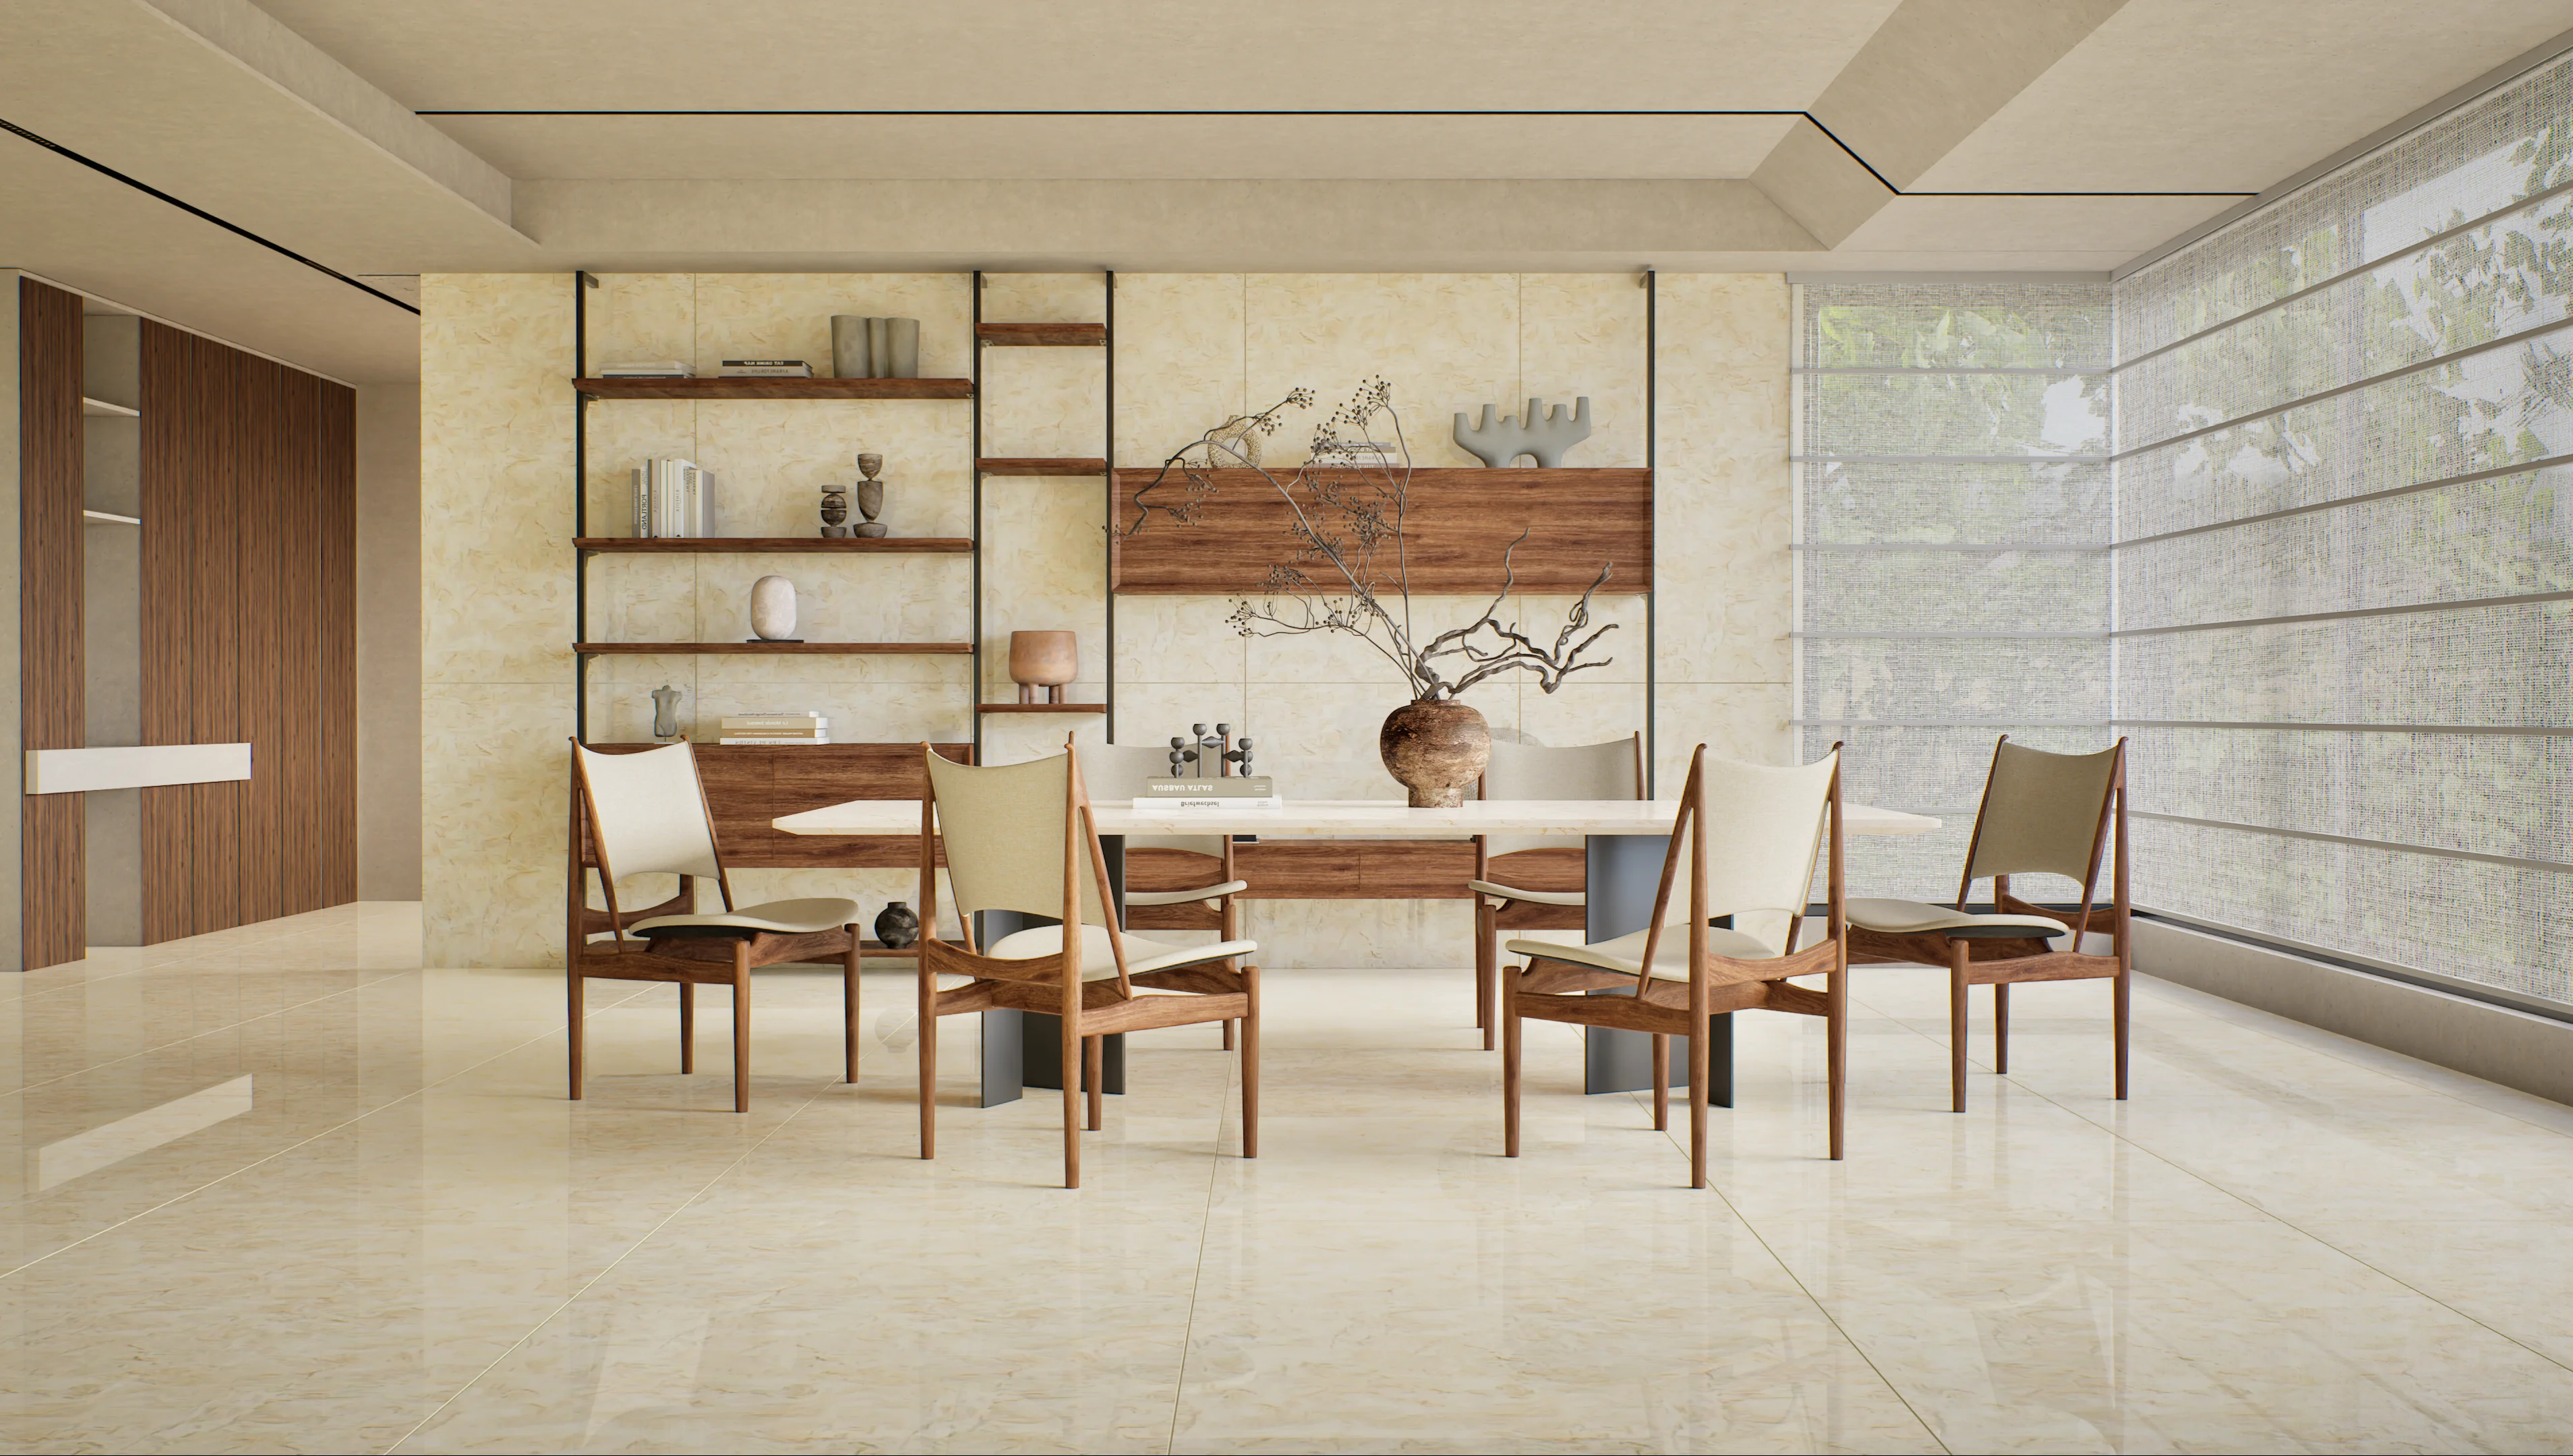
{"x": 1459, "y": 523}
{"x": 827, "y": 545}
{"x": 1041, "y": 707}
{"x": 722, "y": 650}
{"x": 1057, "y": 336}
{"x": 776, "y": 389}
{"x": 1042, "y": 465}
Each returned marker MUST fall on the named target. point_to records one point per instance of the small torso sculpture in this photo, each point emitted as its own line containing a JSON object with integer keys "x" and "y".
{"x": 1545, "y": 437}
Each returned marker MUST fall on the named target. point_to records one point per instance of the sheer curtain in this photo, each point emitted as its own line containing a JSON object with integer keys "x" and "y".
{"x": 2304, "y": 544}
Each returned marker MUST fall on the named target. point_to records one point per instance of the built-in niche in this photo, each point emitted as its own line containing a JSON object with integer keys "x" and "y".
{"x": 112, "y": 614}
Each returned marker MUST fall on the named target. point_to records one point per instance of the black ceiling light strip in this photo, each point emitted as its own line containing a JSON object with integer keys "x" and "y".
{"x": 101, "y": 169}
{"x": 1666, "y": 114}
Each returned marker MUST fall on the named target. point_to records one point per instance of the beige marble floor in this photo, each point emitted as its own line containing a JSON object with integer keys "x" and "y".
{"x": 398, "y": 1234}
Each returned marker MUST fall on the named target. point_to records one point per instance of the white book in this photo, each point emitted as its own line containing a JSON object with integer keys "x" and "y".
{"x": 776, "y": 742}
{"x": 1267, "y": 801}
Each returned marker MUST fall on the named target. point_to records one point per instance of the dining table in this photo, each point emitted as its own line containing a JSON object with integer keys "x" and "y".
{"x": 1624, "y": 843}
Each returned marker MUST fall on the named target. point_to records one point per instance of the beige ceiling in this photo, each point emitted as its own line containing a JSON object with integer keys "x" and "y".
{"x": 388, "y": 140}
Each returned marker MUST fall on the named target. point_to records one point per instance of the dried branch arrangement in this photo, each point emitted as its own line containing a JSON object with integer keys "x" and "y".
{"x": 1347, "y": 570}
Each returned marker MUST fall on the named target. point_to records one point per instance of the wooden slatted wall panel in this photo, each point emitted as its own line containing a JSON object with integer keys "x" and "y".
{"x": 335, "y": 483}
{"x": 52, "y": 894}
{"x": 249, "y": 547}
{"x": 168, "y": 367}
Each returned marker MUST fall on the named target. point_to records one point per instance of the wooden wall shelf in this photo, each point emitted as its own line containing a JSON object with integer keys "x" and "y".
{"x": 1041, "y": 707}
{"x": 1042, "y": 465}
{"x": 1461, "y": 520}
{"x": 776, "y": 389}
{"x": 1058, "y": 335}
{"x": 770, "y": 545}
{"x": 728, "y": 649}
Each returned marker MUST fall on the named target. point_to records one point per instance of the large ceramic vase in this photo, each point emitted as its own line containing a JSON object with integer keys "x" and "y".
{"x": 1434, "y": 749}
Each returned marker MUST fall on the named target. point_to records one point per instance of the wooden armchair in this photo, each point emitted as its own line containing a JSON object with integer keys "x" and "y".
{"x": 1021, "y": 838}
{"x": 1204, "y": 863}
{"x": 1532, "y": 889}
{"x": 2042, "y": 814}
{"x": 646, "y": 814}
{"x": 1746, "y": 833}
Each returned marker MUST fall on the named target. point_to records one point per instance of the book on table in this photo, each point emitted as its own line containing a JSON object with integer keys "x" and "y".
{"x": 1213, "y": 801}
{"x": 1240, "y": 786}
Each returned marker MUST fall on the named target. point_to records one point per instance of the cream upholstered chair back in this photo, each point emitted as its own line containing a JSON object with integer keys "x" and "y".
{"x": 648, "y": 812}
{"x": 2043, "y": 813}
{"x": 1610, "y": 770}
{"x": 1762, "y": 825}
{"x": 1581, "y": 771}
{"x": 1007, "y": 830}
{"x": 1113, "y": 773}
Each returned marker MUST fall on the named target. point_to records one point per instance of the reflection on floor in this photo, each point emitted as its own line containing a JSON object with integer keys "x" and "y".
{"x": 282, "y": 1189}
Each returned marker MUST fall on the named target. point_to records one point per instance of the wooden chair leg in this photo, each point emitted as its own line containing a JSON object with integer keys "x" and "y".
{"x": 849, "y": 1005}
{"x": 2001, "y": 1028}
{"x": 1228, "y": 1036}
{"x": 1835, "y": 1031}
{"x": 1661, "y": 1083}
{"x": 572, "y": 988}
{"x": 1071, "y": 1069}
{"x": 1510, "y": 1063}
{"x": 1956, "y": 1024}
{"x": 741, "y": 1025}
{"x": 1486, "y": 967}
{"x": 1698, "y": 1072}
{"x": 928, "y": 1039}
{"x": 687, "y": 1027}
{"x": 1251, "y": 1065}
{"x": 1093, "y": 1060}
{"x": 2122, "y": 1018}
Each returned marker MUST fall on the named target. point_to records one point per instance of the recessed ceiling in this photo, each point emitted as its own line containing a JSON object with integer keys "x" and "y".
{"x": 1045, "y": 148}
{"x": 199, "y": 144}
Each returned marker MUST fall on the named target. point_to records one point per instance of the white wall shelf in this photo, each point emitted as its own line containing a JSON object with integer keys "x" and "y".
{"x": 99, "y": 409}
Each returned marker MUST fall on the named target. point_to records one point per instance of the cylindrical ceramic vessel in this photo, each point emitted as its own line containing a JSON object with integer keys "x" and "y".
{"x": 849, "y": 357}
{"x": 902, "y": 345}
{"x": 1434, "y": 749}
{"x": 772, "y": 609}
{"x": 1043, "y": 660}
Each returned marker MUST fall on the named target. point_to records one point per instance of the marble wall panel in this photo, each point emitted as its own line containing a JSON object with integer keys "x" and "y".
{"x": 887, "y": 598}
{"x": 788, "y": 316}
{"x": 1724, "y": 513}
{"x": 633, "y": 318}
{"x": 1178, "y": 639}
{"x": 1746, "y": 722}
{"x": 772, "y": 459}
{"x": 1017, "y": 738}
{"x": 1584, "y": 334}
{"x": 496, "y": 481}
{"x": 1044, "y": 298}
{"x": 1044, "y": 565}
{"x": 1045, "y": 402}
{"x": 1179, "y": 345}
{"x": 494, "y": 770}
{"x": 1156, "y": 712}
{"x": 1446, "y": 341}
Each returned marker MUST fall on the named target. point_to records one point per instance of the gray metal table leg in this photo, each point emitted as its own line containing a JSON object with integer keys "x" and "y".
{"x": 1022, "y": 1049}
{"x": 1624, "y": 873}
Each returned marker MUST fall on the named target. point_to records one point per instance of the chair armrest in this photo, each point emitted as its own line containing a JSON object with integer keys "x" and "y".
{"x": 1533, "y": 897}
{"x": 1185, "y": 896}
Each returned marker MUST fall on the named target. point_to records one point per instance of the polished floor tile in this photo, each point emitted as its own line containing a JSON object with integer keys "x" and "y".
{"x": 283, "y": 1188}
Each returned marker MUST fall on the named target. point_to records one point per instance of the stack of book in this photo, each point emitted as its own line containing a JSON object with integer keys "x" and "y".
{"x": 673, "y": 499}
{"x": 650, "y": 369}
{"x": 774, "y": 728}
{"x": 766, "y": 368}
{"x": 1242, "y": 791}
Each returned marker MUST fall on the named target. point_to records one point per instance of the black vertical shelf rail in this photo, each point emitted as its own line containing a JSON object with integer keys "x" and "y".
{"x": 1107, "y": 486}
{"x": 1652, "y": 475}
{"x": 581, "y": 284}
{"x": 974, "y": 464}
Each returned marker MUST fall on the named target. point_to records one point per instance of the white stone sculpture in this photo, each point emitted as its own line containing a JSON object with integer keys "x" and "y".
{"x": 772, "y": 609}
{"x": 1545, "y": 437}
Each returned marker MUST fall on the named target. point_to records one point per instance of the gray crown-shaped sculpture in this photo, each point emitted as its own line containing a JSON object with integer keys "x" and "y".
{"x": 1545, "y": 437}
